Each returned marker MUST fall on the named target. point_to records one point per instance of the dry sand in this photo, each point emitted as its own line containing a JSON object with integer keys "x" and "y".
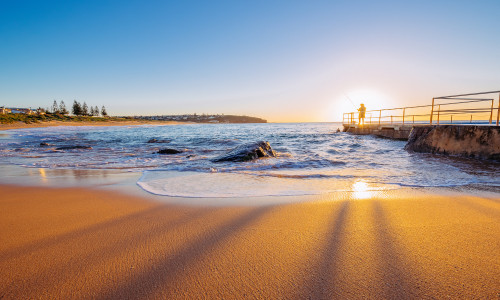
{"x": 19, "y": 125}
{"x": 77, "y": 243}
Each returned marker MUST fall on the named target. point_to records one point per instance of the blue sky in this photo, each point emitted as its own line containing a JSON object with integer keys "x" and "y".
{"x": 280, "y": 60}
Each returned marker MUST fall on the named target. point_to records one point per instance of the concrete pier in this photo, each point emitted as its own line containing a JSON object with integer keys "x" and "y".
{"x": 396, "y": 131}
{"x": 472, "y": 141}
{"x": 458, "y": 140}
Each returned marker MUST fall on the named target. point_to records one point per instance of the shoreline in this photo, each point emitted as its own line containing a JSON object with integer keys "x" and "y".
{"x": 116, "y": 180}
{"x": 22, "y": 125}
{"x": 86, "y": 242}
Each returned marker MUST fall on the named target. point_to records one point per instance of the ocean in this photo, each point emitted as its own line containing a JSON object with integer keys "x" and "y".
{"x": 312, "y": 158}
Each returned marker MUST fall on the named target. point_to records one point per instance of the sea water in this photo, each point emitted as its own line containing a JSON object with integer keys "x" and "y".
{"x": 312, "y": 158}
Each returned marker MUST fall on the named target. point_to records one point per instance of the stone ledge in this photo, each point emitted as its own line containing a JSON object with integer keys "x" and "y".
{"x": 460, "y": 140}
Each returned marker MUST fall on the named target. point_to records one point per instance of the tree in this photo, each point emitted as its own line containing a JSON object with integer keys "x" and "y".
{"x": 62, "y": 108}
{"x": 104, "y": 113}
{"x": 77, "y": 108}
{"x": 55, "y": 107}
{"x": 85, "y": 109}
{"x": 92, "y": 112}
{"x": 96, "y": 111}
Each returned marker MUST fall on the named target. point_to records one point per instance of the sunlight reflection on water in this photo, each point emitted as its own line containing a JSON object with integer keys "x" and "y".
{"x": 361, "y": 190}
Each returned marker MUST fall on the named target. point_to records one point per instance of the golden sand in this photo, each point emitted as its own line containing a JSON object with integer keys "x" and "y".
{"x": 77, "y": 243}
{"x": 19, "y": 125}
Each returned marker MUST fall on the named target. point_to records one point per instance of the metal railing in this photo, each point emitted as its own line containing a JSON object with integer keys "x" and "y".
{"x": 473, "y": 108}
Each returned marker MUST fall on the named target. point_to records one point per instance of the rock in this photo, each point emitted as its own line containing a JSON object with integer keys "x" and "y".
{"x": 73, "y": 147}
{"x": 169, "y": 151}
{"x": 248, "y": 152}
{"x": 460, "y": 140}
{"x": 43, "y": 144}
{"x": 151, "y": 141}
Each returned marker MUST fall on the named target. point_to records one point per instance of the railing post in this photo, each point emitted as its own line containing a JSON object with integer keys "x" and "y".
{"x": 379, "y": 117}
{"x": 491, "y": 114}
{"x": 498, "y": 110}
{"x": 439, "y": 110}
{"x": 404, "y": 116}
{"x": 451, "y": 119}
{"x": 432, "y": 111}
{"x": 352, "y": 118}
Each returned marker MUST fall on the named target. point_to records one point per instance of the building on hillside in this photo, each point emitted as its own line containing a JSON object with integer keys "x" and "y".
{"x": 4, "y": 110}
{"x": 27, "y": 111}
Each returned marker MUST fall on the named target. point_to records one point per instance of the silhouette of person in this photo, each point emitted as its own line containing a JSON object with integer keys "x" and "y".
{"x": 362, "y": 111}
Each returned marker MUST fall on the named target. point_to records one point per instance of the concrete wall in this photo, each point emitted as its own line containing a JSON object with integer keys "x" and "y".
{"x": 468, "y": 141}
{"x": 397, "y": 132}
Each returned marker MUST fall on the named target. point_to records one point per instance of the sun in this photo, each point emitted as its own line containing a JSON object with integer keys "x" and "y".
{"x": 372, "y": 99}
{"x": 350, "y": 101}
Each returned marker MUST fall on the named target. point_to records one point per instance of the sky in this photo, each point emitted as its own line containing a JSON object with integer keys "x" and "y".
{"x": 285, "y": 61}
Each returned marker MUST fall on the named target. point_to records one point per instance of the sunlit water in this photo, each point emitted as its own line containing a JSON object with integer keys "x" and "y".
{"x": 312, "y": 158}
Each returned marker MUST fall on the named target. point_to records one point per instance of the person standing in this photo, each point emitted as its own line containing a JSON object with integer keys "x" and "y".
{"x": 362, "y": 111}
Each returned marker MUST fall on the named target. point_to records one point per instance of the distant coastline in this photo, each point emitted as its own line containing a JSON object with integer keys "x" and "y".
{"x": 20, "y": 125}
{"x": 204, "y": 118}
{"x": 17, "y": 121}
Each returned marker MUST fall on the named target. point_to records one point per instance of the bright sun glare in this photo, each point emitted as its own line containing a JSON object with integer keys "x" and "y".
{"x": 361, "y": 190}
{"x": 370, "y": 98}
{"x": 351, "y": 100}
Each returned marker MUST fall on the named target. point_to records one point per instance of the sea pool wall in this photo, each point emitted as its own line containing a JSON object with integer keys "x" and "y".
{"x": 396, "y": 132}
{"x": 461, "y": 140}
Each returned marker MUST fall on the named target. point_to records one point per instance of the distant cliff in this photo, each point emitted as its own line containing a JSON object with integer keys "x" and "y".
{"x": 205, "y": 118}
{"x": 468, "y": 141}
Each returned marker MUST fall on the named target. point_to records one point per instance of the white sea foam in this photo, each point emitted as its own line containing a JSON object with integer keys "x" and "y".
{"x": 223, "y": 185}
{"x": 227, "y": 185}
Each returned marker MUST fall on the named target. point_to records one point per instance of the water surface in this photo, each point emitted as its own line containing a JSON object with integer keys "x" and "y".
{"x": 312, "y": 158}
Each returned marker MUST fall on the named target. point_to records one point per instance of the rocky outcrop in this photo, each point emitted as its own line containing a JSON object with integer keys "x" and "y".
{"x": 247, "y": 152}
{"x": 169, "y": 151}
{"x": 73, "y": 147}
{"x": 468, "y": 141}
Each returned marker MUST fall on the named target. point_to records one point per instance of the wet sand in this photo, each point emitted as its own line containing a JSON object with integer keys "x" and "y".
{"x": 83, "y": 243}
{"x": 20, "y": 125}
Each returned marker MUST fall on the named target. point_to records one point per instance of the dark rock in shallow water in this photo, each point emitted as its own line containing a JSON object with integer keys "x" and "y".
{"x": 151, "y": 141}
{"x": 43, "y": 144}
{"x": 73, "y": 147}
{"x": 247, "y": 152}
{"x": 169, "y": 151}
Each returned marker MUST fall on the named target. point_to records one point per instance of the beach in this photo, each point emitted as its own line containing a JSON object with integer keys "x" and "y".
{"x": 333, "y": 215}
{"x": 91, "y": 243}
{"x": 20, "y": 125}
